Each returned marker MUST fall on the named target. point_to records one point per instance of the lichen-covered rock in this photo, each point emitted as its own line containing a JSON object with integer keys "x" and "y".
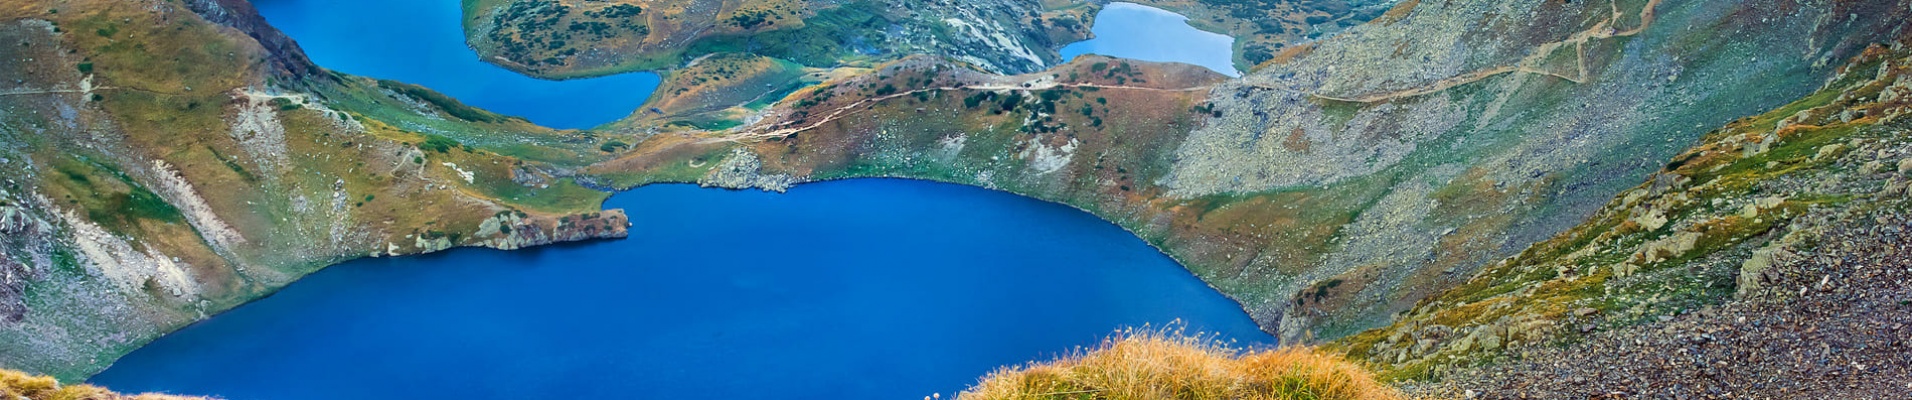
{"x": 743, "y": 170}
{"x": 511, "y": 230}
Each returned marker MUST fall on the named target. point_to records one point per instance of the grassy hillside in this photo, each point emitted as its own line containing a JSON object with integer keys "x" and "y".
{"x": 1767, "y": 260}
{"x": 167, "y": 167}
{"x": 1338, "y": 185}
{"x": 718, "y": 92}
{"x": 176, "y": 160}
{"x": 1715, "y": 224}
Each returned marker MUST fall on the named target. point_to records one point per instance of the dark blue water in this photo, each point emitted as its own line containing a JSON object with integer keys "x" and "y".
{"x": 422, "y": 42}
{"x": 863, "y": 289}
{"x": 1135, "y": 31}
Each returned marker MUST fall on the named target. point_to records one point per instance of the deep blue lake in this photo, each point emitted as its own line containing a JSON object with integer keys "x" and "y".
{"x": 422, "y": 42}
{"x": 861, "y": 289}
{"x": 1140, "y": 32}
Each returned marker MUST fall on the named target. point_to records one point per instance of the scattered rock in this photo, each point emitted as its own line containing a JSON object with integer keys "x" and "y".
{"x": 1845, "y": 338}
{"x": 743, "y": 170}
{"x": 1829, "y": 151}
{"x": 1893, "y": 188}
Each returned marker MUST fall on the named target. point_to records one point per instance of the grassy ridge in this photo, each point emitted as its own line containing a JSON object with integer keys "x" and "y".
{"x": 19, "y": 385}
{"x": 1168, "y": 364}
{"x": 443, "y": 102}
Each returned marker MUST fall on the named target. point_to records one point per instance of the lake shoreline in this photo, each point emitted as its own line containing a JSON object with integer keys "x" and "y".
{"x": 676, "y": 226}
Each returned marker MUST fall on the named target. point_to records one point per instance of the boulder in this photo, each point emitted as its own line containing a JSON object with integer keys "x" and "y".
{"x": 1829, "y": 151}
{"x": 1894, "y": 188}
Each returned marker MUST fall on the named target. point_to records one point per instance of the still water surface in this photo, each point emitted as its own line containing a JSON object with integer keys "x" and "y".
{"x": 867, "y": 289}
{"x": 861, "y": 289}
{"x": 422, "y": 42}
{"x": 1135, "y": 31}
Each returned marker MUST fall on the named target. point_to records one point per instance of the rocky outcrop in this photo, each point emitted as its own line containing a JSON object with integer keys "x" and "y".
{"x": 287, "y": 58}
{"x": 20, "y": 229}
{"x": 743, "y": 170}
{"x": 183, "y": 196}
{"x": 511, "y": 230}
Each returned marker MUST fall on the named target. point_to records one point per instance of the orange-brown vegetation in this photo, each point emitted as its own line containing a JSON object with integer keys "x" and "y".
{"x": 18, "y": 385}
{"x": 1167, "y": 364}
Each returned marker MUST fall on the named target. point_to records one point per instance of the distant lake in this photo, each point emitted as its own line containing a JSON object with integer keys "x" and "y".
{"x": 860, "y": 289}
{"x": 423, "y": 42}
{"x": 1136, "y": 31}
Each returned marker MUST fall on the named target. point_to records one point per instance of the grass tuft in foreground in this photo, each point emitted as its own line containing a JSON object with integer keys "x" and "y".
{"x": 1169, "y": 364}
{"x": 18, "y": 385}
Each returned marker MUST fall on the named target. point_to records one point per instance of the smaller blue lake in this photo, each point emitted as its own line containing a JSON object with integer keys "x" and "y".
{"x": 422, "y": 42}
{"x": 861, "y": 289}
{"x": 1140, "y": 32}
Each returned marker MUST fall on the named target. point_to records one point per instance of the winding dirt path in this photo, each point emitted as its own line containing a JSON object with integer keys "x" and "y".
{"x": 1602, "y": 30}
{"x": 37, "y": 91}
{"x": 861, "y": 105}
{"x": 85, "y": 87}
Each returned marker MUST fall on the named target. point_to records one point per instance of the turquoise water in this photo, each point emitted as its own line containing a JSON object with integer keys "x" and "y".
{"x": 862, "y": 289}
{"x": 1135, "y": 31}
{"x": 422, "y": 42}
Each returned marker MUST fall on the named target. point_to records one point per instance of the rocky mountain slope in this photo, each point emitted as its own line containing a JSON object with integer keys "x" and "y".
{"x": 1447, "y": 160}
{"x": 571, "y": 38}
{"x": 168, "y": 161}
{"x": 1795, "y": 219}
{"x": 1380, "y": 177}
{"x": 1347, "y": 180}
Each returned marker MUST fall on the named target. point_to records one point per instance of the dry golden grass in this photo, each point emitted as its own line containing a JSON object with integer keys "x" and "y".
{"x": 18, "y": 385}
{"x": 1168, "y": 364}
